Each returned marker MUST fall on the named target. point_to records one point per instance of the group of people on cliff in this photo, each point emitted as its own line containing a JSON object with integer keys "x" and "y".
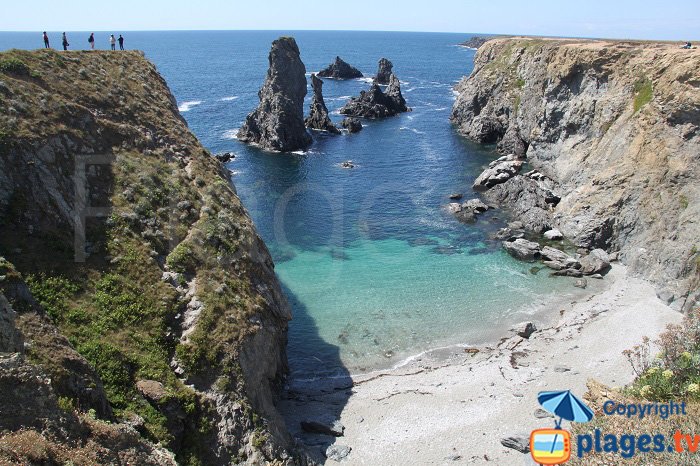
{"x": 91, "y": 40}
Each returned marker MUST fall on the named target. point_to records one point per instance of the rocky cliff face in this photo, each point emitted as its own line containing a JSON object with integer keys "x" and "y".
{"x": 140, "y": 287}
{"x": 318, "y": 116}
{"x": 278, "y": 122}
{"x": 614, "y": 125}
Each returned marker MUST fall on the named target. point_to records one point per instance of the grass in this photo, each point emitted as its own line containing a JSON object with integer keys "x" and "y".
{"x": 115, "y": 308}
{"x": 14, "y": 66}
{"x": 643, "y": 93}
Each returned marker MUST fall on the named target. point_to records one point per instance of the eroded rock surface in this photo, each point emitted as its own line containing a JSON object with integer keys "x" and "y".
{"x": 339, "y": 69}
{"x": 277, "y": 124}
{"x": 318, "y": 118}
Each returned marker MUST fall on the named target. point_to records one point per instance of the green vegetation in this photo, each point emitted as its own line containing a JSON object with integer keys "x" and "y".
{"x": 116, "y": 309}
{"x": 675, "y": 372}
{"x": 520, "y": 83}
{"x": 14, "y": 66}
{"x": 66, "y": 404}
{"x": 643, "y": 92}
{"x": 683, "y": 201}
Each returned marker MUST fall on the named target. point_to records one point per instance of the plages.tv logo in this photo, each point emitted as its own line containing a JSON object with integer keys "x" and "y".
{"x": 553, "y": 446}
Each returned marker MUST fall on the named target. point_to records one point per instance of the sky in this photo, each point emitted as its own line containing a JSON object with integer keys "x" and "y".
{"x": 641, "y": 19}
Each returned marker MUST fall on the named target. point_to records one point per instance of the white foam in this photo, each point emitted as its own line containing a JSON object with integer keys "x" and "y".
{"x": 230, "y": 134}
{"x": 229, "y": 99}
{"x": 366, "y": 79}
{"x": 187, "y": 106}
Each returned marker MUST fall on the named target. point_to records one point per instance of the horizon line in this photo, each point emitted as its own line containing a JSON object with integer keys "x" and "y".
{"x": 349, "y": 30}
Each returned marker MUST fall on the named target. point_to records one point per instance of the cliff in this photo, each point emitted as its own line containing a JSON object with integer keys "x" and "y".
{"x": 142, "y": 292}
{"x": 614, "y": 125}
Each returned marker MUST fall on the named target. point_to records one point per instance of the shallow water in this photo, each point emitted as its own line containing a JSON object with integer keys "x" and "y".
{"x": 374, "y": 269}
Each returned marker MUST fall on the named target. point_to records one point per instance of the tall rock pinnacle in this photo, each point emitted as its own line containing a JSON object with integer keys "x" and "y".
{"x": 277, "y": 123}
{"x": 318, "y": 118}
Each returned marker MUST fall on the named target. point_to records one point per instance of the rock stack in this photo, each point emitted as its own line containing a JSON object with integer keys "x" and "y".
{"x": 384, "y": 72}
{"x": 278, "y": 122}
{"x": 377, "y": 104}
{"x": 318, "y": 118}
{"x": 339, "y": 69}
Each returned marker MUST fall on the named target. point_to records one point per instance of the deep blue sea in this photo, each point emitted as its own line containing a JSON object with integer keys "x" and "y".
{"x": 375, "y": 270}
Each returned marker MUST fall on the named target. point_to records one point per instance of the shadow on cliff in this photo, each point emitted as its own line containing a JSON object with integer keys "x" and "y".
{"x": 318, "y": 387}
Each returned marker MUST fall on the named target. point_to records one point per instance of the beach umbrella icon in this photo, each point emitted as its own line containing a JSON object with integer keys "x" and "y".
{"x": 565, "y": 405}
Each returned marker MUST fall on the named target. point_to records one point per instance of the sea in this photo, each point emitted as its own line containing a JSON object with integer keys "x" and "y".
{"x": 375, "y": 269}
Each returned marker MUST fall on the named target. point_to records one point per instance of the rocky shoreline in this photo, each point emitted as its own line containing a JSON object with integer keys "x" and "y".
{"x": 610, "y": 130}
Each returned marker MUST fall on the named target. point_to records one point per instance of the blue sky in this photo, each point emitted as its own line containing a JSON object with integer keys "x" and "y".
{"x": 641, "y": 19}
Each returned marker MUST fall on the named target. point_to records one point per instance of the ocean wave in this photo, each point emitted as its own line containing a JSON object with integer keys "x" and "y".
{"x": 187, "y": 106}
{"x": 230, "y": 134}
{"x": 229, "y": 99}
{"x": 365, "y": 79}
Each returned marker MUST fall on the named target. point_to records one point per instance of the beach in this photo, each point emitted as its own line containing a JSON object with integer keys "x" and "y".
{"x": 452, "y": 406}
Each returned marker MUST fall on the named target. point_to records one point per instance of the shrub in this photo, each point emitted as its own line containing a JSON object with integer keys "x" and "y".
{"x": 53, "y": 293}
{"x": 675, "y": 373}
{"x": 181, "y": 259}
{"x": 14, "y": 66}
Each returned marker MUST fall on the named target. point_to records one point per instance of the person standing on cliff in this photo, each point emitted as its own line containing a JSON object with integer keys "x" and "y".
{"x": 46, "y": 41}
{"x": 121, "y": 42}
{"x": 91, "y": 40}
{"x": 65, "y": 42}
{"x": 112, "y": 42}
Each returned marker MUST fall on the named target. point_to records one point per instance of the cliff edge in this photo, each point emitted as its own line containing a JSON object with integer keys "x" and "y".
{"x": 143, "y": 292}
{"x": 614, "y": 125}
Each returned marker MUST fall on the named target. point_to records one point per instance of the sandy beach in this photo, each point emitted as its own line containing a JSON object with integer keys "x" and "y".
{"x": 453, "y": 407}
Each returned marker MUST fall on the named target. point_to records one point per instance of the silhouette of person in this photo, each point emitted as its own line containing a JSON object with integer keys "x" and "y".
{"x": 46, "y": 41}
{"x": 112, "y": 42}
{"x": 65, "y": 42}
{"x": 121, "y": 42}
{"x": 91, "y": 40}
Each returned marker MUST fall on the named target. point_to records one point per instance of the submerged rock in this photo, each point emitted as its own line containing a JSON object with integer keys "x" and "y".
{"x": 318, "y": 117}
{"x": 467, "y": 211}
{"x": 278, "y": 122}
{"x": 339, "y": 69}
{"x": 353, "y": 125}
{"x": 384, "y": 71}
{"x": 376, "y": 104}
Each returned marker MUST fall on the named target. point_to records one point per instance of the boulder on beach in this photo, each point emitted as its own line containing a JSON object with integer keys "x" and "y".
{"x": 523, "y": 249}
{"x": 597, "y": 261}
{"x": 277, "y": 124}
{"x": 339, "y": 69}
{"x": 384, "y": 71}
{"x": 318, "y": 118}
{"x": 377, "y": 104}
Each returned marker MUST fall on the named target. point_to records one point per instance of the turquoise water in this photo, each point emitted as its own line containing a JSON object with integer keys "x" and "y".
{"x": 374, "y": 268}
